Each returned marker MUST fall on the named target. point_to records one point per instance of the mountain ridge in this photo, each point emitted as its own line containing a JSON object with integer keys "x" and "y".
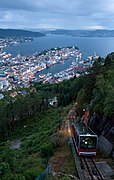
{"x": 19, "y": 33}
{"x": 84, "y": 33}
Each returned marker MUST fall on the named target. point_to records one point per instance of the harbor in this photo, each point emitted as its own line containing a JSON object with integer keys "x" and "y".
{"x": 21, "y": 71}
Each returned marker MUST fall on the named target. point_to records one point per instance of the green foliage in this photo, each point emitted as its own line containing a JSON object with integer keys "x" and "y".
{"x": 110, "y": 76}
{"x": 109, "y": 104}
{"x": 36, "y": 148}
{"x": 99, "y": 94}
{"x": 91, "y": 91}
{"x": 81, "y": 99}
{"x": 8, "y": 163}
{"x": 98, "y": 87}
{"x": 65, "y": 178}
{"x": 47, "y": 150}
{"x": 31, "y": 120}
{"x": 109, "y": 61}
{"x": 97, "y": 68}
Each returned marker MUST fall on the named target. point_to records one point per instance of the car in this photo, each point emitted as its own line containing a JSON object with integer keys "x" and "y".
{"x": 84, "y": 139}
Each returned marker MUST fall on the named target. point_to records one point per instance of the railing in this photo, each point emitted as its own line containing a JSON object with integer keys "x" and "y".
{"x": 44, "y": 174}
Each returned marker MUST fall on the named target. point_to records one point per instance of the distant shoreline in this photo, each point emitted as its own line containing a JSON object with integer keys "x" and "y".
{"x": 15, "y": 33}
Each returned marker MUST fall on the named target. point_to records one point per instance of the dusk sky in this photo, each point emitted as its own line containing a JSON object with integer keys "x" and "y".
{"x": 57, "y": 14}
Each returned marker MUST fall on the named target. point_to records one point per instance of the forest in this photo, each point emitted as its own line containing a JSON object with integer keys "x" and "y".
{"x": 33, "y": 120}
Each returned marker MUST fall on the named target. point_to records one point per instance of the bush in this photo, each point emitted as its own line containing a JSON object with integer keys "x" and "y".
{"x": 47, "y": 150}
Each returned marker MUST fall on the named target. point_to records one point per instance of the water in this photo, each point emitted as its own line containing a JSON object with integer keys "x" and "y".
{"x": 87, "y": 45}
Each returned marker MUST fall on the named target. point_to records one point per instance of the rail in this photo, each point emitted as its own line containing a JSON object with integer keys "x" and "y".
{"x": 88, "y": 166}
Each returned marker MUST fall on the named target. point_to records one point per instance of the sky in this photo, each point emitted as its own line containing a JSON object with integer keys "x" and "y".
{"x": 57, "y": 14}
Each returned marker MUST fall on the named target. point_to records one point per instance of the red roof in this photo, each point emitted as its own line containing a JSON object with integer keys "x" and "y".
{"x": 13, "y": 94}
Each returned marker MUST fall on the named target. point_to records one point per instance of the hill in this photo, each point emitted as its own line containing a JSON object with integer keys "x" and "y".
{"x": 84, "y": 33}
{"x": 19, "y": 33}
{"x": 30, "y": 120}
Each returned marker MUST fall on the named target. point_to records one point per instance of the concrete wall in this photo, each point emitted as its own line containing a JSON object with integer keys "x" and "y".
{"x": 104, "y": 145}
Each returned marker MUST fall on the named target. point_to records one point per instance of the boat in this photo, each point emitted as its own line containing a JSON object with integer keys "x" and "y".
{"x": 42, "y": 76}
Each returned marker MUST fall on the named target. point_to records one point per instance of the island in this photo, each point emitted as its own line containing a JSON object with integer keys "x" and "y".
{"x": 11, "y": 37}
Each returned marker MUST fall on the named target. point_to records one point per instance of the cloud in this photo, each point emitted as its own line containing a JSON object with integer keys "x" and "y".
{"x": 73, "y": 14}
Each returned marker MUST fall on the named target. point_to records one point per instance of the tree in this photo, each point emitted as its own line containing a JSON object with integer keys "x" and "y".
{"x": 82, "y": 101}
{"x": 109, "y": 103}
{"x": 109, "y": 61}
{"x": 3, "y": 120}
{"x": 99, "y": 94}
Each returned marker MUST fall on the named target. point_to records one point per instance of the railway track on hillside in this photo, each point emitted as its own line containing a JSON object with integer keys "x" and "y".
{"x": 87, "y": 165}
{"x": 91, "y": 168}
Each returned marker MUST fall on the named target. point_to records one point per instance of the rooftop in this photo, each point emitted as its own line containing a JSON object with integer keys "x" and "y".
{"x": 82, "y": 129}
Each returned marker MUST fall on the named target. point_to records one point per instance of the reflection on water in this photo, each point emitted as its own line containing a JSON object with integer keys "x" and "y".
{"x": 87, "y": 45}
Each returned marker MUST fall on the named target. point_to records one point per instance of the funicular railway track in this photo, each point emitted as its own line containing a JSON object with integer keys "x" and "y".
{"x": 91, "y": 168}
{"x": 88, "y": 166}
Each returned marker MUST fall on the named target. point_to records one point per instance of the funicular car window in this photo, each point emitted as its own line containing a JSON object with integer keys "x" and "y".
{"x": 87, "y": 142}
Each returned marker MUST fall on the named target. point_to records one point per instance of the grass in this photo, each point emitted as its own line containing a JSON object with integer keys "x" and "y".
{"x": 65, "y": 160}
{"x": 62, "y": 161}
{"x": 37, "y": 146}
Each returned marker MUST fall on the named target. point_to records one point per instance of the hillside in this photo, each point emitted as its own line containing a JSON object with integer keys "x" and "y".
{"x": 18, "y": 33}
{"x": 33, "y": 123}
{"x": 84, "y": 33}
{"x": 34, "y": 142}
